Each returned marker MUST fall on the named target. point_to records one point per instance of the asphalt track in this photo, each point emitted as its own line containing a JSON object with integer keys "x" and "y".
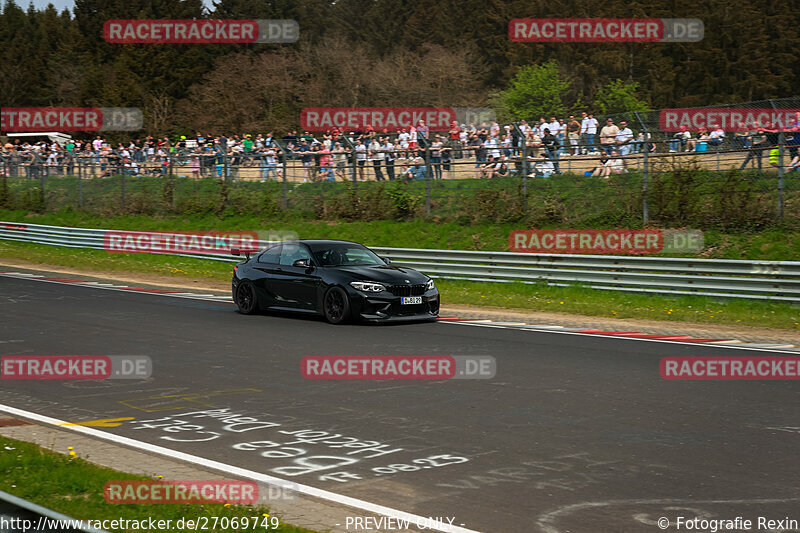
{"x": 574, "y": 434}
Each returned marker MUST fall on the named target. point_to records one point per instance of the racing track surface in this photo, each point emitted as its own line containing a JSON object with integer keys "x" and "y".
{"x": 574, "y": 434}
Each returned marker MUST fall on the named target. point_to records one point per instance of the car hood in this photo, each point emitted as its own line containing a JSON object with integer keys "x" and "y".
{"x": 390, "y": 274}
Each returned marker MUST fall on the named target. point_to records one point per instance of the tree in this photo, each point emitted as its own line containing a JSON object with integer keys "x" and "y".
{"x": 618, "y": 97}
{"x": 536, "y": 91}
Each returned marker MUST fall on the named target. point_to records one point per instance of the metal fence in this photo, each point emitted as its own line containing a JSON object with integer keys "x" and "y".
{"x": 515, "y": 174}
{"x": 756, "y": 280}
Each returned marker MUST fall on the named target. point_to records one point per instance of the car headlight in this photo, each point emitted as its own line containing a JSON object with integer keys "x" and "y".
{"x": 430, "y": 286}
{"x": 367, "y": 286}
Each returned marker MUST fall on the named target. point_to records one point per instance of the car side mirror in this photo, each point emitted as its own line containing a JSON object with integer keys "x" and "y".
{"x": 302, "y": 263}
{"x": 387, "y": 260}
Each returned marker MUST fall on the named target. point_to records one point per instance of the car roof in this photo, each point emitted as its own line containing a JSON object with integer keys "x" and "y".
{"x": 325, "y": 241}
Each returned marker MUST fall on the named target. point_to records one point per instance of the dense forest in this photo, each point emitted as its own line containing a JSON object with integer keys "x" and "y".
{"x": 382, "y": 53}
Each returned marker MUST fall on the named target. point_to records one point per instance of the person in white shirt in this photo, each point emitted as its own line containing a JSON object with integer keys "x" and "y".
{"x": 403, "y": 138}
{"x": 588, "y": 131}
{"x": 543, "y": 168}
{"x": 376, "y": 155}
{"x": 716, "y": 137}
{"x": 614, "y": 165}
{"x": 361, "y": 158}
{"x": 388, "y": 157}
{"x": 624, "y": 138}
{"x": 491, "y": 145}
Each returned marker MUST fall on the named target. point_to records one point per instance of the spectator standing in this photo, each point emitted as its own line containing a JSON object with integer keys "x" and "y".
{"x": 361, "y": 157}
{"x": 436, "y": 157}
{"x": 551, "y": 145}
{"x": 388, "y": 156}
{"x": 340, "y": 159}
{"x": 423, "y": 130}
{"x": 268, "y": 164}
{"x": 574, "y": 134}
{"x": 608, "y": 136}
{"x": 306, "y": 158}
{"x": 376, "y": 155}
{"x": 589, "y": 126}
{"x": 476, "y": 146}
{"x": 624, "y": 139}
{"x": 758, "y": 142}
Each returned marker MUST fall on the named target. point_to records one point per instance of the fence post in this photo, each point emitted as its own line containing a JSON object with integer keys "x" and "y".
{"x": 427, "y": 179}
{"x": 781, "y": 151}
{"x": 284, "y": 199}
{"x": 42, "y": 178}
{"x": 645, "y": 169}
{"x": 122, "y": 191}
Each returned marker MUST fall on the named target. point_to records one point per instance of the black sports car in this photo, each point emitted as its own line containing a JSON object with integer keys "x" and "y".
{"x": 338, "y": 279}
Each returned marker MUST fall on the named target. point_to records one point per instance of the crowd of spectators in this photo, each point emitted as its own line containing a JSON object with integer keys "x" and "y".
{"x": 496, "y": 150}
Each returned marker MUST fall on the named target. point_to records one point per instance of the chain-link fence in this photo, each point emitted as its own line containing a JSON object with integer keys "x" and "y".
{"x": 642, "y": 174}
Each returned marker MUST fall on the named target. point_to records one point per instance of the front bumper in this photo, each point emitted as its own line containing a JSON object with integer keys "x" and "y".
{"x": 386, "y": 307}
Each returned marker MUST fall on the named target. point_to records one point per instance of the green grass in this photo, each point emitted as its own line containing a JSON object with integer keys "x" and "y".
{"x": 74, "y": 487}
{"x": 613, "y": 304}
{"x": 536, "y": 297}
{"x": 773, "y": 244}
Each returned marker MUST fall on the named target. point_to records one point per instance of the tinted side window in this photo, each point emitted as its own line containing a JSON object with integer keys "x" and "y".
{"x": 270, "y": 255}
{"x": 292, "y": 252}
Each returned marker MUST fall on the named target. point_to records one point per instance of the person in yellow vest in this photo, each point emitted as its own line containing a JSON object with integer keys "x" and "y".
{"x": 774, "y": 157}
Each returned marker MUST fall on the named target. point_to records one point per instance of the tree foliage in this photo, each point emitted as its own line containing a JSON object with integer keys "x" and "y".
{"x": 535, "y": 91}
{"x": 391, "y": 53}
{"x": 618, "y": 97}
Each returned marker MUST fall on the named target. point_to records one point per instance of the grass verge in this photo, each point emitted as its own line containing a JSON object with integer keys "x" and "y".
{"x": 535, "y": 297}
{"x": 73, "y": 486}
{"x": 776, "y": 244}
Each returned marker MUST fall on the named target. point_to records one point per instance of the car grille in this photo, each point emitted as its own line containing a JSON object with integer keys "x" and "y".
{"x": 407, "y": 290}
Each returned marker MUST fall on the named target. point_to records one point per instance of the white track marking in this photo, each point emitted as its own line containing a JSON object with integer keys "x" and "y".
{"x": 239, "y": 472}
{"x": 743, "y": 346}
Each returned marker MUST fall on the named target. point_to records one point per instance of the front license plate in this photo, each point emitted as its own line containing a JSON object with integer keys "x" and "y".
{"x": 411, "y": 300}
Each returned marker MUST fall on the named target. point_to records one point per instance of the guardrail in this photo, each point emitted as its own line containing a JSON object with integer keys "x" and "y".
{"x": 18, "y": 516}
{"x": 722, "y": 278}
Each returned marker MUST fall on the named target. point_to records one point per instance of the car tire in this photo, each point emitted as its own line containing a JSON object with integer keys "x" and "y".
{"x": 246, "y": 299}
{"x": 336, "y": 306}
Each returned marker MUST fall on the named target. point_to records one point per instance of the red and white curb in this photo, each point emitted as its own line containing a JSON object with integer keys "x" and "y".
{"x": 618, "y": 334}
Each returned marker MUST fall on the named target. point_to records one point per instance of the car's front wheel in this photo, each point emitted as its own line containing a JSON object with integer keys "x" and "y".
{"x": 336, "y": 305}
{"x": 246, "y": 300}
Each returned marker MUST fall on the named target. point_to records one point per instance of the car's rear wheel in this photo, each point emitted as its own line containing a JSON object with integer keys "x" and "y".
{"x": 336, "y": 305}
{"x": 246, "y": 300}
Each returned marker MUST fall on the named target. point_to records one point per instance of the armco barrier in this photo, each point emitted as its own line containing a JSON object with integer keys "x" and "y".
{"x": 21, "y": 515}
{"x": 722, "y": 278}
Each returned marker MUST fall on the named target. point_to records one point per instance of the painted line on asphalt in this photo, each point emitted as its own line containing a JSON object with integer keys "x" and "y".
{"x": 240, "y": 472}
{"x": 664, "y": 338}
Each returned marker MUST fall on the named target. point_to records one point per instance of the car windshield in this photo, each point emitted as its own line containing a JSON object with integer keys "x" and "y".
{"x": 345, "y": 254}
